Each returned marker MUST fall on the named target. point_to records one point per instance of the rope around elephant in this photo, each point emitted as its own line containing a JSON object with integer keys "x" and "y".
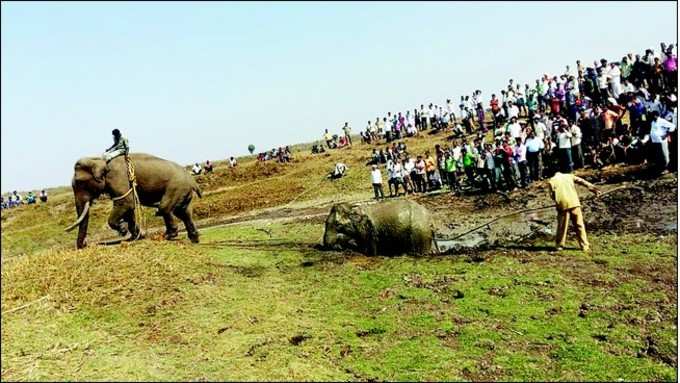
{"x": 139, "y": 218}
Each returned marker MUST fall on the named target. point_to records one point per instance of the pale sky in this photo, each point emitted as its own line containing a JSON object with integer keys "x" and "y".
{"x": 196, "y": 81}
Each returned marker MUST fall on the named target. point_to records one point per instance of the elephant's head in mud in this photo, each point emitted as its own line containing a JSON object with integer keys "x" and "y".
{"x": 388, "y": 228}
{"x": 345, "y": 227}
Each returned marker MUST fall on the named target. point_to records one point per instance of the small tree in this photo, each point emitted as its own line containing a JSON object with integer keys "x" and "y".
{"x": 251, "y": 148}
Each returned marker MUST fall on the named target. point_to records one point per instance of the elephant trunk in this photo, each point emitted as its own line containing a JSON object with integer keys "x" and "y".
{"x": 329, "y": 238}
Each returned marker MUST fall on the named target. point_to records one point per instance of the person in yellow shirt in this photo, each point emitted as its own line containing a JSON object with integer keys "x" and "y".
{"x": 563, "y": 191}
{"x": 430, "y": 167}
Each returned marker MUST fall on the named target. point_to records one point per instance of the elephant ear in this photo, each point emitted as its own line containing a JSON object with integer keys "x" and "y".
{"x": 96, "y": 167}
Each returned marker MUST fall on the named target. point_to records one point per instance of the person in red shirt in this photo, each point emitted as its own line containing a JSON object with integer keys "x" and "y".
{"x": 508, "y": 171}
{"x": 495, "y": 109}
{"x": 555, "y": 105}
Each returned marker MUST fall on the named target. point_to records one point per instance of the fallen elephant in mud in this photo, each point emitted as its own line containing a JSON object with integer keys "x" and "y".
{"x": 388, "y": 228}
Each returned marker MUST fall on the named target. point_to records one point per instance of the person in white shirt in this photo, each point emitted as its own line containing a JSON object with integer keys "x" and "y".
{"x": 534, "y": 158}
{"x": 411, "y": 130}
{"x": 338, "y": 171}
{"x": 410, "y": 119}
{"x": 232, "y": 161}
{"x": 627, "y": 87}
{"x": 196, "y": 169}
{"x": 614, "y": 75}
{"x": 514, "y": 128}
{"x": 520, "y": 156}
{"x": 603, "y": 83}
{"x": 576, "y": 150}
{"x": 450, "y": 110}
{"x": 376, "y": 181}
{"x": 539, "y": 128}
{"x": 431, "y": 117}
{"x": 513, "y": 110}
{"x": 423, "y": 117}
{"x": 389, "y": 167}
{"x": 564, "y": 148}
{"x": 398, "y": 177}
{"x": 659, "y": 137}
{"x": 409, "y": 166}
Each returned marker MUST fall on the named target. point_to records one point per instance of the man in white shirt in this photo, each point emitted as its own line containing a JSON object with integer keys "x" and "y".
{"x": 423, "y": 117}
{"x": 513, "y": 110}
{"x": 659, "y": 138}
{"x": 564, "y": 148}
{"x": 450, "y": 110}
{"x": 539, "y": 128}
{"x": 398, "y": 177}
{"x": 196, "y": 169}
{"x": 339, "y": 171}
{"x": 431, "y": 117}
{"x": 409, "y": 165}
{"x": 390, "y": 175}
{"x": 514, "y": 128}
{"x": 534, "y": 158}
{"x": 376, "y": 181}
{"x": 520, "y": 156}
{"x": 576, "y": 151}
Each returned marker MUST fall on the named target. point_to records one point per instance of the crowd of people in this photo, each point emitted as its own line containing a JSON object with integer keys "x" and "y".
{"x": 560, "y": 123}
{"x": 15, "y": 199}
{"x": 208, "y": 167}
{"x": 280, "y": 155}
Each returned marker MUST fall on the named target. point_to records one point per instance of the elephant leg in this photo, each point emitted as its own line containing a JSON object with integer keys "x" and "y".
{"x": 185, "y": 213}
{"x": 118, "y": 215}
{"x": 168, "y": 202}
{"x": 170, "y": 226}
{"x": 134, "y": 230}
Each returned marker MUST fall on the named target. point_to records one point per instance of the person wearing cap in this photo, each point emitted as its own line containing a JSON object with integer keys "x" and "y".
{"x": 119, "y": 147}
{"x": 562, "y": 190}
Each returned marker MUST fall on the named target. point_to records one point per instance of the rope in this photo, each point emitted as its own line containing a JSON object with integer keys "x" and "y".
{"x": 540, "y": 208}
{"x": 139, "y": 218}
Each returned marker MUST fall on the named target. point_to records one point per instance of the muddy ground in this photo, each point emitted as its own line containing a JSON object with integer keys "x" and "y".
{"x": 632, "y": 204}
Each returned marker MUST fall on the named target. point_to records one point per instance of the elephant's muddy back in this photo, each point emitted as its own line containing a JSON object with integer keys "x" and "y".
{"x": 402, "y": 227}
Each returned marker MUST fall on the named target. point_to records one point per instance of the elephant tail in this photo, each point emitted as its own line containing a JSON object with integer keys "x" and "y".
{"x": 195, "y": 188}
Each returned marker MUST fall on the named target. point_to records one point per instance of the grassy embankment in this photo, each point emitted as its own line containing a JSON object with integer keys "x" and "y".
{"x": 267, "y": 309}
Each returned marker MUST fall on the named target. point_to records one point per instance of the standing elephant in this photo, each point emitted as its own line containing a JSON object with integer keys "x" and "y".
{"x": 388, "y": 228}
{"x": 160, "y": 183}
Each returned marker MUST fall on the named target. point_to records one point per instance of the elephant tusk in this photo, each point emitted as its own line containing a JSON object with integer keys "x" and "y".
{"x": 81, "y": 218}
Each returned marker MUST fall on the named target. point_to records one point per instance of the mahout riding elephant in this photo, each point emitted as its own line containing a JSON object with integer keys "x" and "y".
{"x": 160, "y": 183}
{"x": 387, "y": 228}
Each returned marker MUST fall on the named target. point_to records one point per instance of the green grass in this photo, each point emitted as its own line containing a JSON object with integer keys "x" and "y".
{"x": 228, "y": 310}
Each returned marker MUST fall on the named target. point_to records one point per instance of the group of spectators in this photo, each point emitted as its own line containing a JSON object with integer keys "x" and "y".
{"x": 561, "y": 123}
{"x": 334, "y": 141}
{"x": 208, "y": 167}
{"x": 15, "y": 199}
{"x": 281, "y": 155}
